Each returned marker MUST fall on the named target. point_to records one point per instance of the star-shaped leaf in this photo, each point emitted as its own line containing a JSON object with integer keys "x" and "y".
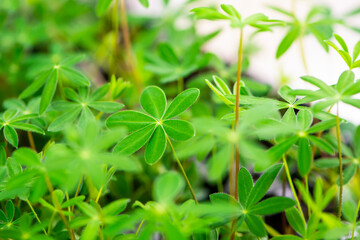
{"x": 156, "y": 125}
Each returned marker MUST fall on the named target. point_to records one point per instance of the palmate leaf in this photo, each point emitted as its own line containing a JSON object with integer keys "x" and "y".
{"x": 295, "y": 220}
{"x": 48, "y": 91}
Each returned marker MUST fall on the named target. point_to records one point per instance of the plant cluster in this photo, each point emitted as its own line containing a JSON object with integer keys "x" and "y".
{"x": 122, "y": 128}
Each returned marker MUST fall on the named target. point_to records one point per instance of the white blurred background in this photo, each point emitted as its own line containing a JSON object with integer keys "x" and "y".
{"x": 264, "y": 66}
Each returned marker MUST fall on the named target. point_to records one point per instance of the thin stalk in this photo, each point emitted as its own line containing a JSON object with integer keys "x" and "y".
{"x": 99, "y": 194}
{"x": 182, "y": 170}
{"x": 76, "y": 193}
{"x": 58, "y": 207}
{"x": 237, "y": 96}
{"x": 35, "y": 214}
{"x": 128, "y": 47}
{"x": 231, "y": 175}
{"x": 140, "y": 225}
{"x": 292, "y": 187}
{"x": 31, "y": 141}
{"x": 115, "y": 37}
{"x": 354, "y": 223}
{"x": 338, "y": 138}
{"x": 50, "y": 222}
{"x": 302, "y": 52}
{"x": 180, "y": 83}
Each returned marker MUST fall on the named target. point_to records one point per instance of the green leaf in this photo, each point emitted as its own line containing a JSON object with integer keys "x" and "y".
{"x": 321, "y": 144}
{"x": 222, "y": 85}
{"x": 346, "y": 57}
{"x": 304, "y": 156}
{"x": 223, "y": 198}
{"x": 10, "y": 210}
{"x": 263, "y": 184}
{"x": 356, "y": 51}
{"x": 73, "y": 201}
{"x": 348, "y": 173}
{"x": 304, "y": 118}
{"x": 145, "y": 3}
{"x": 115, "y": 207}
{"x": 135, "y": 141}
{"x": 245, "y": 185}
{"x": 179, "y": 130}
{"x": 320, "y": 84}
{"x": 272, "y": 205}
{"x": 102, "y": 6}
{"x": 285, "y": 93}
{"x": 91, "y": 231}
{"x": 254, "y": 18}
{"x": 295, "y": 220}
{"x": 231, "y": 11}
{"x": 322, "y": 126}
{"x": 357, "y": 142}
{"x": 208, "y": 13}
{"x": 36, "y": 85}
{"x": 75, "y": 76}
{"x": 106, "y": 107}
{"x": 281, "y": 148}
{"x": 256, "y": 225}
{"x": 167, "y": 186}
{"x": 182, "y": 102}
{"x": 167, "y": 53}
{"x": 72, "y": 95}
{"x": 286, "y": 237}
{"x": 351, "y": 101}
{"x": 48, "y": 91}
{"x": 100, "y": 93}
{"x": 11, "y": 135}
{"x": 327, "y": 162}
{"x": 64, "y": 119}
{"x": 218, "y": 93}
{"x": 27, "y": 127}
{"x": 342, "y": 43}
{"x": 345, "y": 81}
{"x": 133, "y": 120}
{"x": 153, "y": 101}
{"x": 156, "y": 146}
{"x": 26, "y": 156}
{"x": 287, "y": 41}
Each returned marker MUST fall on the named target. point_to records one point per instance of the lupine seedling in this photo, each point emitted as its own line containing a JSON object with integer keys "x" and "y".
{"x": 85, "y": 156}
{"x": 156, "y": 127}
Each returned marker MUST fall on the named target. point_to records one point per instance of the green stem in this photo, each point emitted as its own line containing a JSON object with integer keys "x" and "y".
{"x": 115, "y": 37}
{"x": 180, "y": 84}
{"x": 31, "y": 140}
{"x": 237, "y": 97}
{"x": 338, "y": 138}
{"x": 50, "y": 222}
{"x": 354, "y": 223}
{"x": 140, "y": 225}
{"x": 292, "y": 187}
{"x": 58, "y": 207}
{"x": 35, "y": 214}
{"x": 128, "y": 47}
{"x": 182, "y": 170}
{"x": 302, "y": 51}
